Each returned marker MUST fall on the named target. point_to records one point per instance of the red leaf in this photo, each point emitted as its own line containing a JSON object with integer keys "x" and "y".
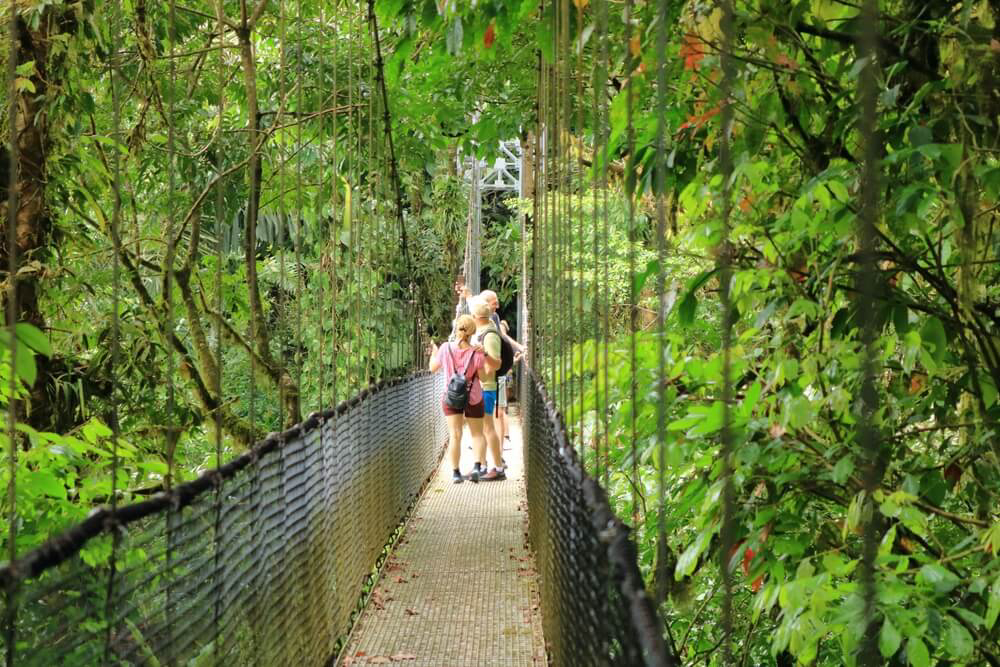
{"x": 755, "y": 586}
{"x": 748, "y": 555}
{"x": 952, "y": 473}
{"x": 692, "y": 51}
{"x": 785, "y": 61}
{"x": 490, "y": 36}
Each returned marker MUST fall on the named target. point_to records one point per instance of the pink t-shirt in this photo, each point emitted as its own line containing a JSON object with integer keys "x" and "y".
{"x": 452, "y": 358}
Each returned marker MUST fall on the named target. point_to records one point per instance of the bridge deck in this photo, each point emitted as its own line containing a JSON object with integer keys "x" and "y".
{"x": 461, "y": 588}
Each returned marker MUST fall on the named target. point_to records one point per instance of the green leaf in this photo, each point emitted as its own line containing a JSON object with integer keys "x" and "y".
{"x": 901, "y": 319}
{"x": 24, "y": 364}
{"x": 33, "y": 338}
{"x": 26, "y": 68}
{"x": 45, "y": 482}
{"x": 993, "y": 608}
{"x": 687, "y": 308}
{"x": 889, "y": 639}
{"x": 957, "y": 640}
{"x": 689, "y": 302}
{"x": 842, "y": 471}
{"x": 916, "y": 652}
{"x": 689, "y": 558}
{"x": 937, "y": 576}
{"x": 934, "y": 336}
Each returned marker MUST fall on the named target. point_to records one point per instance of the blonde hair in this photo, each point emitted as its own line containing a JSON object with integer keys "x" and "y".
{"x": 465, "y": 326}
{"x": 480, "y": 309}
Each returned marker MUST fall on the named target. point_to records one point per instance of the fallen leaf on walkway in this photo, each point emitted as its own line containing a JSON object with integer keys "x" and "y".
{"x": 399, "y": 580}
{"x": 410, "y": 612}
{"x": 399, "y": 657}
{"x": 379, "y": 660}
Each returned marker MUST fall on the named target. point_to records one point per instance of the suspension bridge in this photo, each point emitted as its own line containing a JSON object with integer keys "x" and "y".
{"x": 222, "y": 443}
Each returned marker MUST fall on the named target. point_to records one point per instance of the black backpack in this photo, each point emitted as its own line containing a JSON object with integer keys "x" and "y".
{"x": 456, "y": 395}
{"x": 506, "y": 354}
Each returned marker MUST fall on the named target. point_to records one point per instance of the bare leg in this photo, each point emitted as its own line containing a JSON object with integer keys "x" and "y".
{"x": 455, "y": 439}
{"x": 492, "y": 440}
{"x": 502, "y": 430}
{"x": 478, "y": 441}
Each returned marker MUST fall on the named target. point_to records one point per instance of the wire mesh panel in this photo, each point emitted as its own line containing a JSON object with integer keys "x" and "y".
{"x": 595, "y": 609}
{"x": 260, "y": 562}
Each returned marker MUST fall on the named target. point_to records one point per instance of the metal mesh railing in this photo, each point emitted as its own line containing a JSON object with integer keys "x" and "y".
{"x": 261, "y": 562}
{"x": 594, "y": 606}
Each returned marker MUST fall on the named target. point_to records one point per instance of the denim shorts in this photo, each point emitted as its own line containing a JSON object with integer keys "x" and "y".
{"x": 489, "y": 400}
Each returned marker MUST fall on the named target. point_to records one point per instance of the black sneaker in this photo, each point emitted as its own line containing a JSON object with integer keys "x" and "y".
{"x": 456, "y": 477}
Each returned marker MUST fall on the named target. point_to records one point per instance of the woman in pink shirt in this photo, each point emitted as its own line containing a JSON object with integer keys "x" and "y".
{"x": 454, "y": 357}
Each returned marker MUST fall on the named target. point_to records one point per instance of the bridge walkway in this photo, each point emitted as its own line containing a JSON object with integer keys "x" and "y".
{"x": 460, "y": 590}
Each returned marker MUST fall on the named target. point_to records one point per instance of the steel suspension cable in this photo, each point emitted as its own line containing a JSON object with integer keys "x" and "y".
{"x": 597, "y": 170}
{"x": 10, "y": 614}
{"x": 219, "y": 309}
{"x": 171, "y": 416}
{"x": 250, "y": 246}
{"x": 335, "y": 219}
{"x": 633, "y": 297}
{"x": 168, "y": 278}
{"x": 371, "y": 207}
{"x": 565, "y": 217}
{"x": 562, "y": 217}
{"x": 605, "y": 128}
{"x": 300, "y": 209}
{"x": 660, "y": 186}
{"x": 353, "y": 136}
{"x": 114, "y": 76}
{"x": 579, "y": 245}
{"x": 283, "y": 216}
{"x": 320, "y": 203}
{"x": 393, "y": 162}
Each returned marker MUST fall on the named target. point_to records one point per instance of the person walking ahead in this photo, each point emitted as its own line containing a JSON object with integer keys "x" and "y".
{"x": 488, "y": 338}
{"x": 460, "y": 356}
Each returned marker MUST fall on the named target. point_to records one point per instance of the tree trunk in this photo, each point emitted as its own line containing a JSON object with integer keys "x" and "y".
{"x": 33, "y": 224}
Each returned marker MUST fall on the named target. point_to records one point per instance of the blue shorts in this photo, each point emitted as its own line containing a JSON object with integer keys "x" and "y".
{"x": 489, "y": 400}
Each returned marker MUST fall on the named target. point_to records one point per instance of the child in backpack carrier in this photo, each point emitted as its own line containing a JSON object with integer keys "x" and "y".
{"x": 462, "y": 401}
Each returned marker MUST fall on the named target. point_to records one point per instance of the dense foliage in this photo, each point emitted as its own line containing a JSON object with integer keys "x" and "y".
{"x": 797, "y": 357}
{"x": 462, "y": 76}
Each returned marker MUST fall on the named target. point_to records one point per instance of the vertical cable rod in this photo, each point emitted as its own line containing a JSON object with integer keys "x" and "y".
{"x": 171, "y": 427}
{"x": 597, "y": 122}
{"x": 579, "y": 241}
{"x": 563, "y": 218}
{"x": 282, "y": 153}
{"x": 605, "y": 229}
{"x": 630, "y": 229}
{"x": 660, "y": 185}
{"x": 335, "y": 220}
{"x": 219, "y": 309}
{"x": 300, "y": 209}
{"x": 114, "y": 75}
